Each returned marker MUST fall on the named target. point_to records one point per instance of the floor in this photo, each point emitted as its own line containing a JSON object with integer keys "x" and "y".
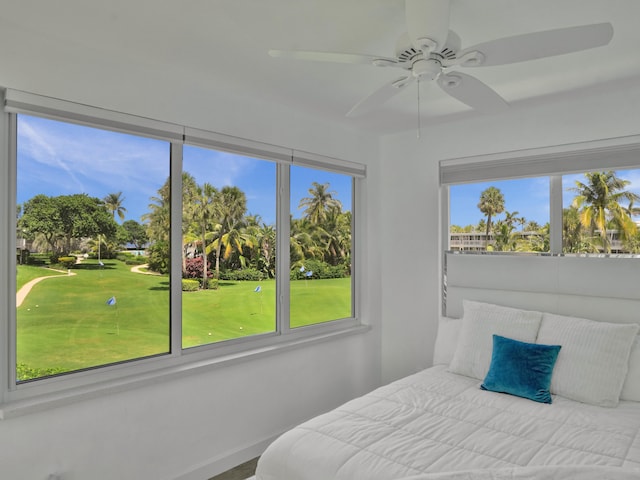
{"x": 241, "y": 472}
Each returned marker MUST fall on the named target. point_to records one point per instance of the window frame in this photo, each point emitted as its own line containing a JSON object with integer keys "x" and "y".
{"x": 617, "y": 153}
{"x": 18, "y": 399}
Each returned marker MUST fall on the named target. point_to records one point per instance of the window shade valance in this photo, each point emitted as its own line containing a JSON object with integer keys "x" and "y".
{"x": 617, "y": 153}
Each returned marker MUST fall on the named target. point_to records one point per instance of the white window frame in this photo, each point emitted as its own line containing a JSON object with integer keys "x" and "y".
{"x": 619, "y": 153}
{"x": 18, "y": 399}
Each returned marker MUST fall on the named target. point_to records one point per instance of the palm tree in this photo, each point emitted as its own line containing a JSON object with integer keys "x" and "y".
{"x": 491, "y": 204}
{"x": 319, "y": 203}
{"x": 599, "y": 200}
{"x": 113, "y": 202}
{"x": 190, "y": 228}
{"x": 203, "y": 210}
{"x": 231, "y": 203}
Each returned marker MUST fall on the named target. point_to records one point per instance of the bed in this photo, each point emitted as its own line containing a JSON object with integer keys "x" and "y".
{"x": 513, "y": 394}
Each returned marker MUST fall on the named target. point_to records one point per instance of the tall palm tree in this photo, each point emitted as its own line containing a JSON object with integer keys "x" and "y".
{"x": 203, "y": 210}
{"x": 317, "y": 206}
{"x": 599, "y": 200}
{"x": 190, "y": 230}
{"x": 113, "y": 202}
{"x": 231, "y": 203}
{"x": 491, "y": 204}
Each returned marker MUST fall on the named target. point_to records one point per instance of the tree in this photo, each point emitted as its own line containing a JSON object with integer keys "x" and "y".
{"x": 231, "y": 203}
{"x": 66, "y": 217}
{"x": 40, "y": 217}
{"x": 113, "y": 202}
{"x": 135, "y": 234}
{"x": 318, "y": 205}
{"x": 598, "y": 201}
{"x": 491, "y": 204}
{"x": 158, "y": 223}
{"x": 204, "y": 211}
{"x": 83, "y": 216}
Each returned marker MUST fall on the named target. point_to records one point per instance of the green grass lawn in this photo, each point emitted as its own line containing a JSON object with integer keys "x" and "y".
{"x": 26, "y": 273}
{"x": 67, "y": 325}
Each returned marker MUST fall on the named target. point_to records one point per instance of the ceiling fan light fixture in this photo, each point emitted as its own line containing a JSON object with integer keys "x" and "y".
{"x": 426, "y": 68}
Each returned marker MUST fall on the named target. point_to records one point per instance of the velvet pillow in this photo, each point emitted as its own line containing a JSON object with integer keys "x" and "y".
{"x": 521, "y": 369}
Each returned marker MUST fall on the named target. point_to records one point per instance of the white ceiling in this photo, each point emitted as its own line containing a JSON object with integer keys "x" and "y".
{"x": 223, "y": 44}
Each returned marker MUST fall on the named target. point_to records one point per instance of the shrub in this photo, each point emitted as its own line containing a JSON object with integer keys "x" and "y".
{"x": 250, "y": 274}
{"x": 212, "y": 283}
{"x": 320, "y": 270}
{"x": 189, "y": 285}
{"x": 131, "y": 259}
{"x": 67, "y": 262}
{"x": 159, "y": 257}
{"x": 25, "y": 372}
{"x": 194, "y": 268}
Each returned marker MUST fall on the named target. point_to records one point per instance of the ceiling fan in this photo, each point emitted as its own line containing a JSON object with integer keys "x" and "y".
{"x": 429, "y": 51}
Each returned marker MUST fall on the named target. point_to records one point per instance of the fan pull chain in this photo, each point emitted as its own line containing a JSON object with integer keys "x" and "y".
{"x": 419, "y": 117}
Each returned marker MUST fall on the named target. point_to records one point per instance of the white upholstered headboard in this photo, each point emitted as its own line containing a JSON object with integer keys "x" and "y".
{"x": 604, "y": 289}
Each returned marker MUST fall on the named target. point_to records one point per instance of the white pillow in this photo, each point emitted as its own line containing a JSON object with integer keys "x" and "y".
{"x": 631, "y": 387}
{"x": 593, "y": 362}
{"x": 446, "y": 340}
{"x": 480, "y": 322}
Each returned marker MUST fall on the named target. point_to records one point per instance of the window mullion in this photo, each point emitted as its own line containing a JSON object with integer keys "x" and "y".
{"x": 8, "y": 129}
{"x": 555, "y": 214}
{"x": 175, "y": 249}
{"x": 283, "y": 232}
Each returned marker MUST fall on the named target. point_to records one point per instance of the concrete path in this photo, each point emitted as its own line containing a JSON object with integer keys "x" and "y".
{"x": 138, "y": 269}
{"x": 26, "y": 288}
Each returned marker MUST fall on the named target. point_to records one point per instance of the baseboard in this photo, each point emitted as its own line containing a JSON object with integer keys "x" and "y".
{"x": 222, "y": 463}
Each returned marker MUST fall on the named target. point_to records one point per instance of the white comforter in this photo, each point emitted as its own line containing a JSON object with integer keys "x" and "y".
{"x": 436, "y": 425}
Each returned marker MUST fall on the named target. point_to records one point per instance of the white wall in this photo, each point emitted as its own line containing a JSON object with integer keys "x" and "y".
{"x": 201, "y": 424}
{"x": 205, "y": 422}
{"x": 410, "y": 208}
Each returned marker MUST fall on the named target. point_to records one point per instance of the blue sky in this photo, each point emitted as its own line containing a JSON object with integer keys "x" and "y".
{"x": 57, "y": 158}
{"x": 527, "y": 196}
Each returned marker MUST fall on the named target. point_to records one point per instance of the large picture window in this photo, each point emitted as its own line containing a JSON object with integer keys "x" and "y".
{"x": 140, "y": 245}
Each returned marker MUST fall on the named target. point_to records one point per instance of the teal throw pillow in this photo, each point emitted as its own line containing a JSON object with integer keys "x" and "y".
{"x": 521, "y": 369}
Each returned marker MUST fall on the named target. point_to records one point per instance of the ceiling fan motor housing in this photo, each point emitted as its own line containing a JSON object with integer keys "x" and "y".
{"x": 426, "y": 68}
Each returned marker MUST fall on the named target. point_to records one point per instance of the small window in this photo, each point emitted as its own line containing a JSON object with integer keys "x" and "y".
{"x": 500, "y": 216}
{"x": 601, "y": 212}
{"x": 229, "y": 246}
{"x": 320, "y": 246}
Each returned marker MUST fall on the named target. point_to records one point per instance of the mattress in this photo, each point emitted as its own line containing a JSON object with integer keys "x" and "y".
{"x": 439, "y": 425}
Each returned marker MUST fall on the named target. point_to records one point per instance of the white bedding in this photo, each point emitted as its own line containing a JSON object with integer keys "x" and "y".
{"x": 433, "y": 423}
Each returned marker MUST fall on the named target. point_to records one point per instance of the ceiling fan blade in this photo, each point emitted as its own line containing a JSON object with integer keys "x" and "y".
{"x": 427, "y": 23}
{"x": 380, "y": 96}
{"x": 531, "y": 46}
{"x": 333, "y": 57}
{"x": 472, "y": 92}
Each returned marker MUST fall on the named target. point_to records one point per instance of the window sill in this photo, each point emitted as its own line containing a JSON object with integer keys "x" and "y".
{"x": 130, "y": 375}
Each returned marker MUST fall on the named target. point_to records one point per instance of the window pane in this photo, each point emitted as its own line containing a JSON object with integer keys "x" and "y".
{"x": 600, "y": 213}
{"x": 320, "y": 246}
{"x": 507, "y": 215}
{"x": 90, "y": 220}
{"x": 229, "y": 217}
